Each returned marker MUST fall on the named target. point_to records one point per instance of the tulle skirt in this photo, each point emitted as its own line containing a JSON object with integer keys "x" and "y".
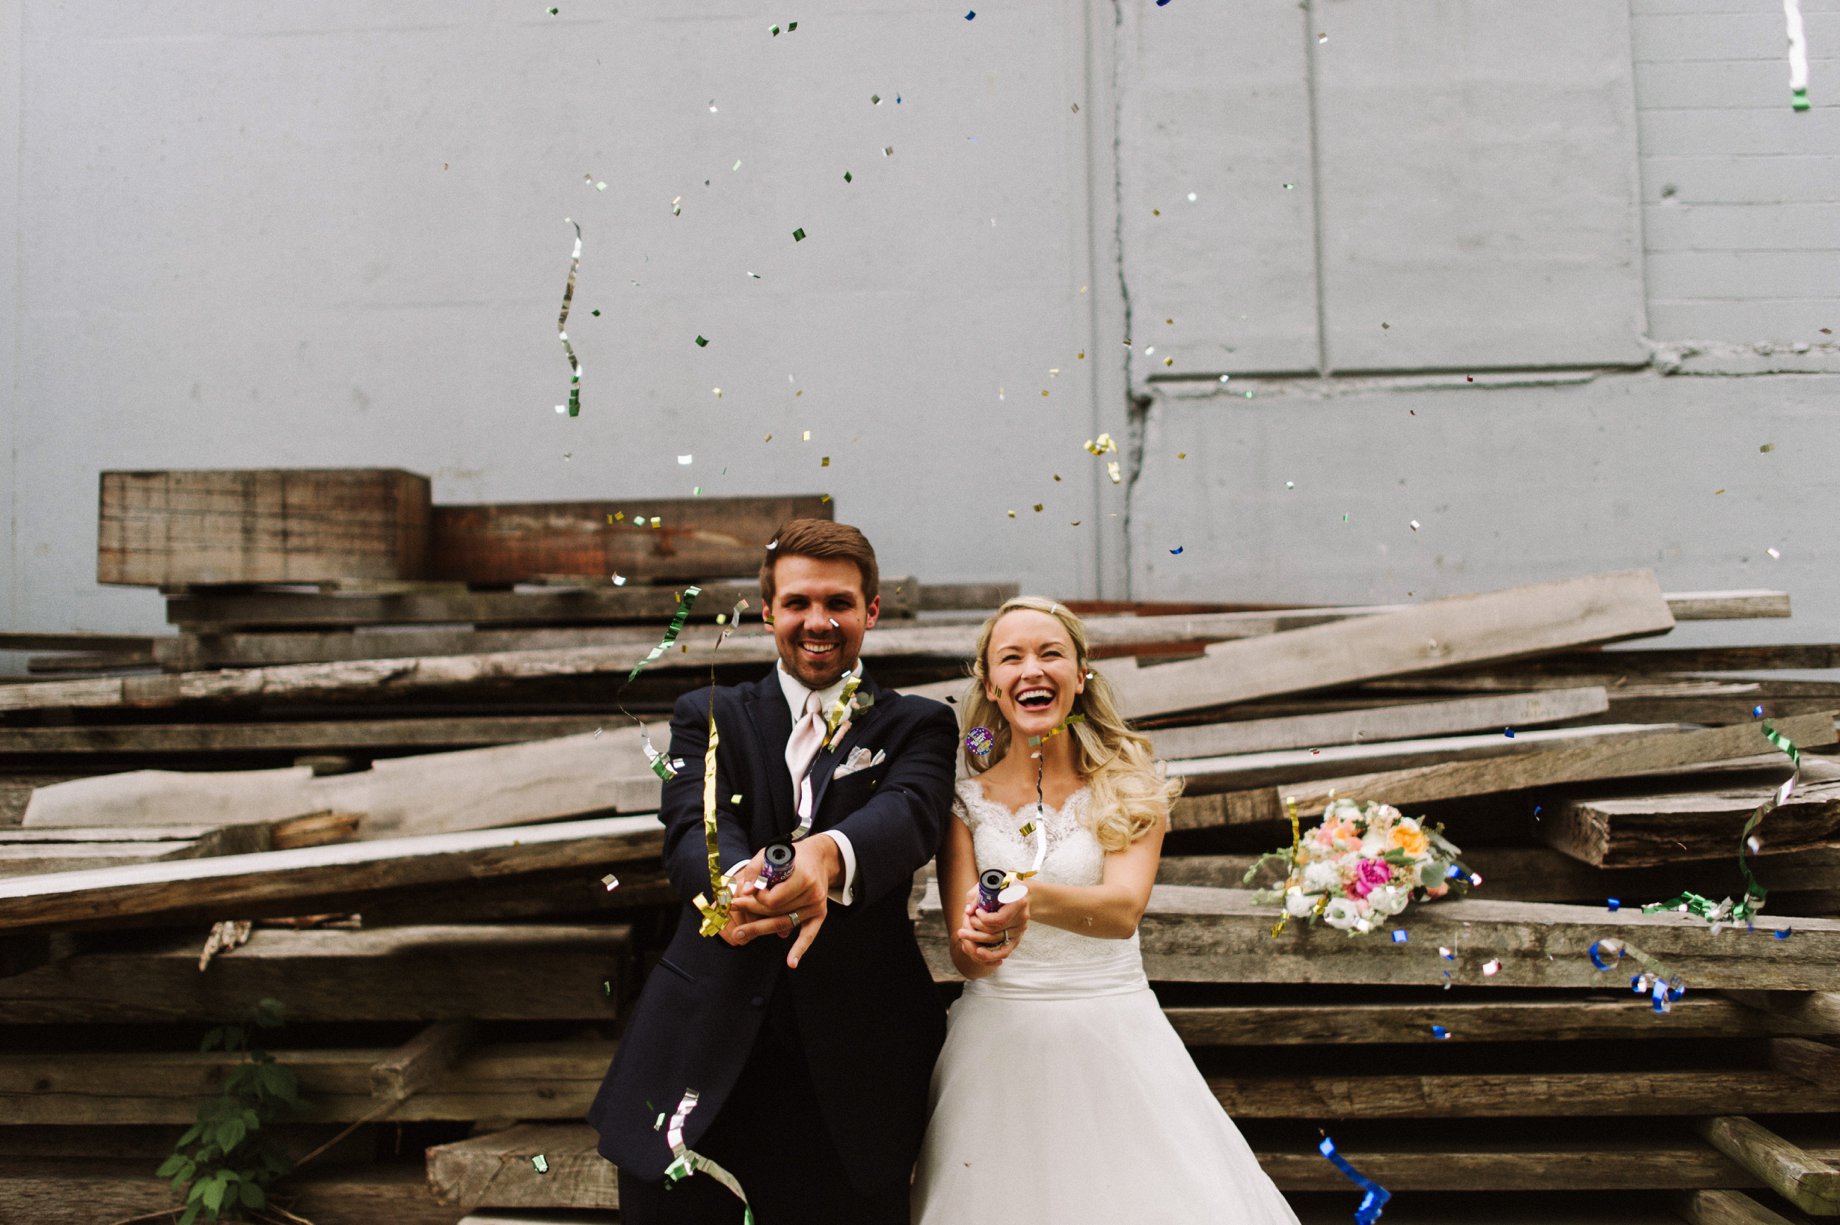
{"x": 1062, "y": 1095}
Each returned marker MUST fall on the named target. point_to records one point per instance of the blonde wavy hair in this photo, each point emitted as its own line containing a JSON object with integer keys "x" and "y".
{"x": 1128, "y": 793}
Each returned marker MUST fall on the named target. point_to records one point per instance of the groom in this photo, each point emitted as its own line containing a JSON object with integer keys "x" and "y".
{"x": 808, "y": 1029}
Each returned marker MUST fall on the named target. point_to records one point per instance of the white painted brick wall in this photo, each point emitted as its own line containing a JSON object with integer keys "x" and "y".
{"x": 1741, "y": 194}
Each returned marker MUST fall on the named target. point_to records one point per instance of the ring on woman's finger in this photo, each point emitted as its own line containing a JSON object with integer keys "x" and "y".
{"x": 794, "y": 916}
{"x": 1005, "y": 939}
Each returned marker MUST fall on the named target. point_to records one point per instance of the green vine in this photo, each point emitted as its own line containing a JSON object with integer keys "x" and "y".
{"x": 226, "y": 1162}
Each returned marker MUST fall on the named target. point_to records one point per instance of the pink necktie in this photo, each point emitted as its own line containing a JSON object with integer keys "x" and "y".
{"x": 801, "y": 750}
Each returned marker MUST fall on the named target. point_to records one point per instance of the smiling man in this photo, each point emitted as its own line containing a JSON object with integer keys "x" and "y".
{"x": 807, "y": 1031}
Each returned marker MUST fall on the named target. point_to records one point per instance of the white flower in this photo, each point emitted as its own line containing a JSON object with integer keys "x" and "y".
{"x": 1341, "y": 913}
{"x": 1322, "y": 877}
{"x": 1375, "y": 842}
{"x": 1297, "y": 903}
{"x": 1388, "y": 900}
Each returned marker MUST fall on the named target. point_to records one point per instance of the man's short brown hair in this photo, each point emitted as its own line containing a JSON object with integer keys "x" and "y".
{"x": 824, "y": 540}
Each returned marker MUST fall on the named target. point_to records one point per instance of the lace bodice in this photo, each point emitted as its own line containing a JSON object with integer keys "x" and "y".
{"x": 1074, "y": 857}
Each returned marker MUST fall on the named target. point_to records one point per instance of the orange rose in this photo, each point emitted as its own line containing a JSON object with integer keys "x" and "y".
{"x": 1410, "y": 840}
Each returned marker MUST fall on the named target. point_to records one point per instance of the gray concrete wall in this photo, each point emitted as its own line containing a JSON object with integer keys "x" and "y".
{"x": 1560, "y": 277}
{"x": 332, "y": 233}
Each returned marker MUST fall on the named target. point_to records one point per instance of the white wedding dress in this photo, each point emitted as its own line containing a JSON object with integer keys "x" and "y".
{"x": 1062, "y": 1094}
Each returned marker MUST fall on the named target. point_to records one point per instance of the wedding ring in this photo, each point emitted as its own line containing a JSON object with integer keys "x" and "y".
{"x": 794, "y": 916}
{"x": 1005, "y": 939}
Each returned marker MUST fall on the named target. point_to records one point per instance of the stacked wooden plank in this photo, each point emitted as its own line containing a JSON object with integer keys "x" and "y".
{"x": 509, "y": 895}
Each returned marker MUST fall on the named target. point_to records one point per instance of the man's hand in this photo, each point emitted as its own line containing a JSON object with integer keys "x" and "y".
{"x": 817, "y": 866}
{"x": 989, "y": 936}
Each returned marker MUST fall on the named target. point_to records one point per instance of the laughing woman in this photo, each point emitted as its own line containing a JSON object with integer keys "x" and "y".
{"x": 1062, "y": 1093}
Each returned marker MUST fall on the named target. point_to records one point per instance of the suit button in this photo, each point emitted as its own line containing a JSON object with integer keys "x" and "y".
{"x": 759, "y": 1001}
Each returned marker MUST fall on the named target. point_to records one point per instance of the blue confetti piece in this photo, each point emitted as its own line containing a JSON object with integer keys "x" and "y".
{"x": 1597, "y": 956}
{"x": 971, "y": 14}
{"x": 1368, "y": 1211}
{"x": 1614, "y": 903}
{"x": 1176, "y": 552}
{"x": 1439, "y": 1032}
{"x": 1508, "y": 732}
{"x": 1400, "y": 937}
{"x": 1756, "y": 712}
{"x": 1162, "y": 3}
{"x": 1784, "y": 933}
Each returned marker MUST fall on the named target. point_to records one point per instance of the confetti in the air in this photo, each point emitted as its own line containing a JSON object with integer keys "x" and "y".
{"x": 1400, "y": 936}
{"x": 1491, "y": 968}
{"x": 573, "y": 408}
{"x": 1176, "y": 552}
{"x": 702, "y": 342}
{"x": 1798, "y": 56}
{"x": 790, "y": 27}
{"x": 540, "y": 1162}
{"x": 685, "y": 459}
{"x": 798, "y": 235}
{"x": 1375, "y": 1195}
{"x": 970, "y": 14}
{"x": 611, "y": 881}
{"x": 1439, "y": 1032}
{"x": 980, "y": 740}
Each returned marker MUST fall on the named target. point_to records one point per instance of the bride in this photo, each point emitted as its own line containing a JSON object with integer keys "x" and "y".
{"x": 1062, "y": 1093}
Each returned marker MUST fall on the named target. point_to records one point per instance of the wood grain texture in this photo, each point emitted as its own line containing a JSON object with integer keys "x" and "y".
{"x": 317, "y": 879}
{"x": 513, "y": 542}
{"x": 277, "y": 525}
{"x": 1623, "y": 831}
{"x": 1622, "y": 758}
{"x": 1194, "y": 934}
{"x": 1797, "y": 1175}
{"x": 510, "y": 784}
{"x": 534, "y": 971}
{"x": 1496, "y": 625}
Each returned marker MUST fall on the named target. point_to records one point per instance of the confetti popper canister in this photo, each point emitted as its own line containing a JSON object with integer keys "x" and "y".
{"x": 990, "y": 885}
{"x": 778, "y": 865}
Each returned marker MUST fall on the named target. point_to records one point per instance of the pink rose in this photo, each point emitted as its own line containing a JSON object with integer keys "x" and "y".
{"x": 1369, "y": 875}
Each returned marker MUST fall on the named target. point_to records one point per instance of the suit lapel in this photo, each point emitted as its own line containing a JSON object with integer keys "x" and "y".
{"x": 772, "y": 724}
{"x": 829, "y": 759}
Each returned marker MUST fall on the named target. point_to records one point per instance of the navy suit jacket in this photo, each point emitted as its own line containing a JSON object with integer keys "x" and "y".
{"x": 866, "y": 1009}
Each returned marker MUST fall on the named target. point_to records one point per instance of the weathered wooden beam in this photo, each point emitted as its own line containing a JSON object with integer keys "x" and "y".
{"x": 1495, "y": 625}
{"x": 557, "y": 1080}
{"x": 1792, "y": 1172}
{"x": 1511, "y": 1095}
{"x": 524, "y": 971}
{"x": 514, "y": 542}
{"x": 1820, "y": 1010}
{"x": 1541, "y": 874}
{"x": 576, "y": 605}
{"x": 1220, "y": 935}
{"x": 1720, "y": 1207}
{"x": 316, "y": 879}
{"x": 506, "y": 784}
{"x": 62, "y": 1190}
{"x": 496, "y": 1171}
{"x": 1815, "y": 1062}
{"x": 1591, "y": 1018}
{"x": 1295, "y": 766}
{"x": 1632, "y": 831}
{"x": 542, "y": 1080}
{"x": 273, "y": 525}
{"x": 417, "y": 1063}
{"x": 1406, "y": 721}
{"x": 373, "y": 735}
{"x": 1646, "y": 754}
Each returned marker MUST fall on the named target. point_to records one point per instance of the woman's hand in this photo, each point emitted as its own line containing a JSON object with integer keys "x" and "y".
{"x": 988, "y": 937}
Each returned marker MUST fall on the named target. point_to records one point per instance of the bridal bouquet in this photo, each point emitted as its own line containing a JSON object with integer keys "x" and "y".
{"x": 1361, "y": 866}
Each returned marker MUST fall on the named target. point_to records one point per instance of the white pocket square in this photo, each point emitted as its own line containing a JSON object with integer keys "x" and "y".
{"x": 859, "y": 759}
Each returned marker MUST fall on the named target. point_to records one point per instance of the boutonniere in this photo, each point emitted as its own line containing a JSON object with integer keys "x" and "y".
{"x": 849, "y": 703}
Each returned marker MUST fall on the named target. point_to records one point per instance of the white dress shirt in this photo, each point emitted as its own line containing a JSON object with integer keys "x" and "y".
{"x": 797, "y": 698}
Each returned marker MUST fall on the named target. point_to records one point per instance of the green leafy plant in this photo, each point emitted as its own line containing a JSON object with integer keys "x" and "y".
{"x": 226, "y": 1162}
